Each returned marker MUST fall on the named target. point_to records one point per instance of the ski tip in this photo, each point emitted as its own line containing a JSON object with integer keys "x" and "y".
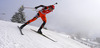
{"x": 20, "y": 30}
{"x": 22, "y": 34}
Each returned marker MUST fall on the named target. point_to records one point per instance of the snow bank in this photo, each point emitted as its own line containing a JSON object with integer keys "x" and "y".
{"x": 10, "y": 37}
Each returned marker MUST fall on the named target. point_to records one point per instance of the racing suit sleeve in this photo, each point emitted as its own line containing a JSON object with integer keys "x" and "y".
{"x": 39, "y": 6}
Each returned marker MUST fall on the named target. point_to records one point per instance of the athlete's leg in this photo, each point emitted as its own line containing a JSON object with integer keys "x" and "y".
{"x": 44, "y": 22}
{"x": 33, "y": 19}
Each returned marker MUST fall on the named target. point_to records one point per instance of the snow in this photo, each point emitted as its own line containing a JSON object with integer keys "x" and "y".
{"x": 10, "y": 37}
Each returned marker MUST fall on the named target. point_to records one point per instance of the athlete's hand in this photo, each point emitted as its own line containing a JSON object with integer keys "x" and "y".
{"x": 36, "y": 7}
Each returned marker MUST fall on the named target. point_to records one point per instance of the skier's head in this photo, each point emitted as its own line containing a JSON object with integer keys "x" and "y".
{"x": 52, "y": 6}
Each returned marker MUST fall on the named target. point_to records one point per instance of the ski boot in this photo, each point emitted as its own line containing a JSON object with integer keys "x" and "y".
{"x": 39, "y": 31}
{"x": 21, "y": 27}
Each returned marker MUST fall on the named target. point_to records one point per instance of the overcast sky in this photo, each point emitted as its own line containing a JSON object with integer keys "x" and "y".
{"x": 69, "y": 15}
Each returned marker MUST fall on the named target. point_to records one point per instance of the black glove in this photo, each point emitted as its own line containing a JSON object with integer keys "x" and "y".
{"x": 36, "y": 7}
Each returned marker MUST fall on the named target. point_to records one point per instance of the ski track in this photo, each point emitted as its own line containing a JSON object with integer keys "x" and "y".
{"x": 10, "y": 37}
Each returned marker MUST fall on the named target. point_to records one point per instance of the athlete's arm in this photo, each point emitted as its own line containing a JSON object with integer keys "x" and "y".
{"x": 39, "y": 6}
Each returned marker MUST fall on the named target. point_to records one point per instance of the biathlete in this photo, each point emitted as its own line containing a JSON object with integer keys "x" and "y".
{"x": 42, "y": 13}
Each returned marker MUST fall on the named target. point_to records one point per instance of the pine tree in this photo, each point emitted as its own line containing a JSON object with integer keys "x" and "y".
{"x": 19, "y": 16}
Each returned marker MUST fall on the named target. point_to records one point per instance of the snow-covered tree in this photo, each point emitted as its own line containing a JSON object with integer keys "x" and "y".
{"x": 19, "y": 17}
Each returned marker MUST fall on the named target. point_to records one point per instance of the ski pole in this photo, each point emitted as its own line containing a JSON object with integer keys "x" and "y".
{"x": 29, "y": 7}
{"x": 32, "y": 8}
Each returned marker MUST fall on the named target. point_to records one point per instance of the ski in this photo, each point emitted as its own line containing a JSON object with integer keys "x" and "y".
{"x": 20, "y": 30}
{"x": 44, "y": 36}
